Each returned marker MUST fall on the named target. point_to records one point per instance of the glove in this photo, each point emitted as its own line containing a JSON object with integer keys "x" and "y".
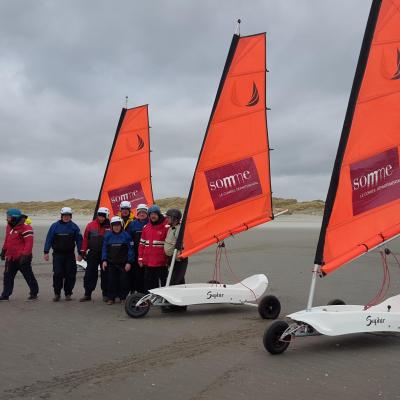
{"x": 25, "y": 259}
{"x": 3, "y": 254}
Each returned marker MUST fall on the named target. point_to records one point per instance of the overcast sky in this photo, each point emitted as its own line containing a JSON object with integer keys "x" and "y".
{"x": 66, "y": 67}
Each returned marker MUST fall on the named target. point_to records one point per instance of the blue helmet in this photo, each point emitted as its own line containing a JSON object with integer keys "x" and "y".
{"x": 154, "y": 209}
{"x": 14, "y": 213}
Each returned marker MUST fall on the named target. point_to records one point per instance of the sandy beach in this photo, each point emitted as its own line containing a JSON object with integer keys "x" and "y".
{"x": 93, "y": 351}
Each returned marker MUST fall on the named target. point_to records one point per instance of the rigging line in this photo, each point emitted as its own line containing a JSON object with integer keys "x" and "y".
{"x": 235, "y": 276}
{"x": 385, "y": 283}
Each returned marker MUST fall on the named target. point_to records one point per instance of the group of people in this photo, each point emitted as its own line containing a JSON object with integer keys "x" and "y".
{"x": 133, "y": 251}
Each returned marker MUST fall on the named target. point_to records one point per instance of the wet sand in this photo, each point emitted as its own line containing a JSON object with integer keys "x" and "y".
{"x": 93, "y": 351}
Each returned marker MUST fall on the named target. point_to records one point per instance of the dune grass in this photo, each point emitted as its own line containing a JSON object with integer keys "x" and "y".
{"x": 314, "y": 207}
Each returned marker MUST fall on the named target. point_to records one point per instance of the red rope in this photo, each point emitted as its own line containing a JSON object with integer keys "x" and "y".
{"x": 385, "y": 283}
{"x": 235, "y": 276}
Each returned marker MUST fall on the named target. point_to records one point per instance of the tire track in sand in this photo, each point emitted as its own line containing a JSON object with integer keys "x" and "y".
{"x": 157, "y": 358}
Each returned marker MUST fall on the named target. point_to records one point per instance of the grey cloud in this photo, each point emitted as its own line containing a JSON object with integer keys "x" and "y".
{"x": 65, "y": 68}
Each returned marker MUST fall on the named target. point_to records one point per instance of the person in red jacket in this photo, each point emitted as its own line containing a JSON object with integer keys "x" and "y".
{"x": 151, "y": 250}
{"x": 91, "y": 250}
{"x": 17, "y": 252}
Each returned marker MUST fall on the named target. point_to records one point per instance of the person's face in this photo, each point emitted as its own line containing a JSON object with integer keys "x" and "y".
{"x": 154, "y": 217}
{"x": 169, "y": 220}
{"x": 8, "y": 219}
{"x": 125, "y": 212}
{"x": 101, "y": 218}
{"x": 66, "y": 217}
{"x": 141, "y": 215}
{"x": 117, "y": 228}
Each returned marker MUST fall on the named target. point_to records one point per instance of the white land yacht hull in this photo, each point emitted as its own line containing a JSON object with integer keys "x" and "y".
{"x": 247, "y": 292}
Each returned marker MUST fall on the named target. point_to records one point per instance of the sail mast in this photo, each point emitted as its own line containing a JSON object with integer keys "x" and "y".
{"x": 121, "y": 119}
{"x": 359, "y": 75}
{"x": 235, "y": 40}
{"x": 231, "y": 186}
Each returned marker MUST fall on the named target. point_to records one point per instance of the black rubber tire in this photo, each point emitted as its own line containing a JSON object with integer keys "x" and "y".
{"x": 272, "y": 335}
{"x": 269, "y": 307}
{"x": 336, "y": 302}
{"x": 136, "y": 312}
{"x": 214, "y": 282}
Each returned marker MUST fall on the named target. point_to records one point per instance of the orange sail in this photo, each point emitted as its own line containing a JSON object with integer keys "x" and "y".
{"x": 363, "y": 203}
{"x": 231, "y": 188}
{"x": 128, "y": 172}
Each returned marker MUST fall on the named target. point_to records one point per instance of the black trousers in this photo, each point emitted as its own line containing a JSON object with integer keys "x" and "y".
{"x": 137, "y": 278}
{"x": 64, "y": 273}
{"x": 91, "y": 274}
{"x": 118, "y": 281}
{"x": 10, "y": 271}
{"x": 178, "y": 274}
{"x": 154, "y": 277}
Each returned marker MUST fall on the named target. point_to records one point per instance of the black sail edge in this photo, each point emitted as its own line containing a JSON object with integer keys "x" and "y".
{"x": 231, "y": 53}
{"x": 121, "y": 119}
{"x": 358, "y": 78}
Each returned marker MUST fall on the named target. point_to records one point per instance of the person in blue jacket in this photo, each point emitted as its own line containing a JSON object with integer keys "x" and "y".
{"x": 117, "y": 257}
{"x": 135, "y": 229}
{"x": 62, "y": 237}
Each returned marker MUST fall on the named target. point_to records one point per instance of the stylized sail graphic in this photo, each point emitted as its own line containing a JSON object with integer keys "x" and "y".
{"x": 255, "y": 96}
{"x": 140, "y": 143}
{"x": 363, "y": 202}
{"x": 231, "y": 188}
{"x": 397, "y": 73}
{"x": 128, "y": 172}
{"x": 137, "y": 147}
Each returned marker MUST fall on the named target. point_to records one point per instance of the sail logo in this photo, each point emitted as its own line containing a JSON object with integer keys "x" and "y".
{"x": 133, "y": 193}
{"x": 375, "y": 181}
{"x": 245, "y": 100}
{"x": 139, "y": 146}
{"x": 232, "y": 183}
{"x": 393, "y": 71}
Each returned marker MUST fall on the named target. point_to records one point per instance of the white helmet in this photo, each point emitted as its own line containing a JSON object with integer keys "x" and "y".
{"x": 66, "y": 210}
{"x": 117, "y": 220}
{"x": 103, "y": 210}
{"x": 141, "y": 207}
{"x": 125, "y": 204}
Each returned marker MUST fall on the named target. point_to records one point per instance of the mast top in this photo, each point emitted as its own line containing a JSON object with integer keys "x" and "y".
{"x": 237, "y": 30}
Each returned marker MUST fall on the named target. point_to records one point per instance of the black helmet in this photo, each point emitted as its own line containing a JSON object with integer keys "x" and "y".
{"x": 174, "y": 213}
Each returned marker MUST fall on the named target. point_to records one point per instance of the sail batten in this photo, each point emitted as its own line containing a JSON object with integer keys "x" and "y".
{"x": 128, "y": 172}
{"x": 231, "y": 187}
{"x": 363, "y": 203}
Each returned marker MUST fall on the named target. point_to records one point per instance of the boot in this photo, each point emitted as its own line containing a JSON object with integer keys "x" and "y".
{"x": 85, "y": 298}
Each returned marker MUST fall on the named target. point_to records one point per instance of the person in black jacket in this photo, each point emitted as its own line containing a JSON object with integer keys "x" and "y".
{"x": 117, "y": 258}
{"x": 62, "y": 237}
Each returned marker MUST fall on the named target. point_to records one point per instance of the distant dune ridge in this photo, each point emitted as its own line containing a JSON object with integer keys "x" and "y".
{"x": 314, "y": 207}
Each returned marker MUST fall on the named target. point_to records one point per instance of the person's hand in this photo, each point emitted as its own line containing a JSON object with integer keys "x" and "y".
{"x": 140, "y": 264}
{"x": 84, "y": 255}
{"x": 104, "y": 265}
{"x": 3, "y": 254}
{"x": 79, "y": 258}
{"x": 127, "y": 267}
{"x": 46, "y": 257}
